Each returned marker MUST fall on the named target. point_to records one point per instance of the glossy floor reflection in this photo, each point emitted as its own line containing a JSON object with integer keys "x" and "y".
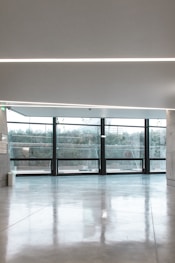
{"x": 77, "y": 219}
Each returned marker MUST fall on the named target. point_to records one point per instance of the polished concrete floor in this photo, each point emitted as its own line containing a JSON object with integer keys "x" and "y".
{"x": 88, "y": 219}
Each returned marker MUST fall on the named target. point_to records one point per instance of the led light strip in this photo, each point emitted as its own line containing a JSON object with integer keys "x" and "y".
{"x": 69, "y": 106}
{"x": 83, "y": 60}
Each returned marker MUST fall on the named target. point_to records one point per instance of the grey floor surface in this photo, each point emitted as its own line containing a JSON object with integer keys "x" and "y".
{"x": 76, "y": 219}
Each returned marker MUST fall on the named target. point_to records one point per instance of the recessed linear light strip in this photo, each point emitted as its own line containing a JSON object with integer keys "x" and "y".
{"x": 71, "y": 106}
{"x": 83, "y": 60}
{"x": 42, "y": 104}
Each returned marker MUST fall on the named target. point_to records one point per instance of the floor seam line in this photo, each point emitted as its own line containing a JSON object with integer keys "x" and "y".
{"x": 154, "y": 234}
{"x": 10, "y": 226}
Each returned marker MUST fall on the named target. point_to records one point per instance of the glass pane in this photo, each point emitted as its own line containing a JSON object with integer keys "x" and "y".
{"x": 40, "y": 120}
{"x": 157, "y": 165}
{"x": 75, "y": 141}
{"x": 124, "y": 142}
{"x": 125, "y": 166}
{"x": 125, "y": 122}
{"x": 31, "y": 167}
{"x": 76, "y": 166}
{"x": 30, "y": 140}
{"x": 157, "y": 122}
{"x": 86, "y": 121}
{"x": 14, "y": 116}
{"x": 157, "y": 140}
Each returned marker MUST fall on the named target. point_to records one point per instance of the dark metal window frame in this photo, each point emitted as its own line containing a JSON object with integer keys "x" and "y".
{"x": 102, "y": 159}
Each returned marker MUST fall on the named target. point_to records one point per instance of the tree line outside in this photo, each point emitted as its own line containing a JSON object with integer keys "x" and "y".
{"x": 84, "y": 143}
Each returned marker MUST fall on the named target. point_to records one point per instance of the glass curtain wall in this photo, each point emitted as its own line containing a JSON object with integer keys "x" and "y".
{"x": 124, "y": 145}
{"x": 78, "y": 145}
{"x": 157, "y": 145}
{"x": 30, "y": 144}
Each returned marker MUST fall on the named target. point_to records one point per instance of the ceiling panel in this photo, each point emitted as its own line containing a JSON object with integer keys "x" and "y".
{"x": 81, "y": 28}
{"x": 90, "y": 112}
{"x": 150, "y": 85}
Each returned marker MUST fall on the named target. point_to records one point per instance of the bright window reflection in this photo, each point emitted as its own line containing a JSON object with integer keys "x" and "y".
{"x": 125, "y": 166}
{"x": 35, "y": 230}
{"x": 157, "y": 166}
{"x": 85, "y": 121}
{"x": 157, "y": 142}
{"x": 16, "y": 117}
{"x": 80, "y": 138}
{"x": 78, "y": 166}
{"x": 136, "y": 226}
{"x": 157, "y": 122}
{"x": 124, "y": 142}
{"x": 30, "y": 140}
{"x": 75, "y": 141}
{"x": 125, "y": 122}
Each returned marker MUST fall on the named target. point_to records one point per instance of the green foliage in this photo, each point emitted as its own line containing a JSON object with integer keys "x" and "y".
{"x": 158, "y": 143}
{"x": 29, "y": 144}
{"x": 84, "y": 143}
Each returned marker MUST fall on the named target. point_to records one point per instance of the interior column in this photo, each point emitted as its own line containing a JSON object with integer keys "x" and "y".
{"x": 170, "y": 148}
{"x": 4, "y": 156}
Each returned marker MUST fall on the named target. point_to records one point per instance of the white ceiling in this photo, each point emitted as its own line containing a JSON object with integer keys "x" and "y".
{"x": 88, "y": 29}
{"x": 90, "y": 112}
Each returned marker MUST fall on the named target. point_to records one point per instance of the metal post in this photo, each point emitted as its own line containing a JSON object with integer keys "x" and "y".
{"x": 103, "y": 159}
{"x": 147, "y": 160}
{"x": 54, "y": 157}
